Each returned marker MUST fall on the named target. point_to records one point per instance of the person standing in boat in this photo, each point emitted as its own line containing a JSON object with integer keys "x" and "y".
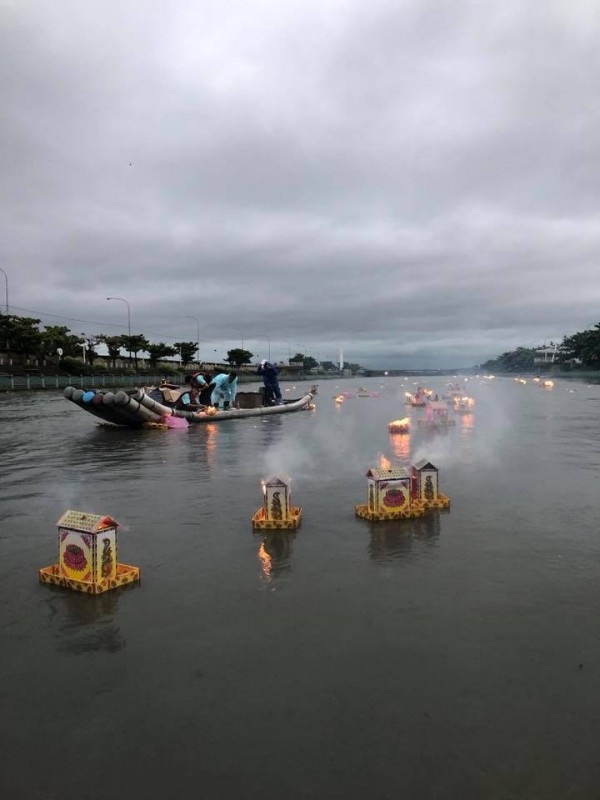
{"x": 225, "y": 390}
{"x": 271, "y": 383}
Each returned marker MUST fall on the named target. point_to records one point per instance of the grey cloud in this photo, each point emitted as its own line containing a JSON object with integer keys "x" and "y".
{"x": 414, "y": 181}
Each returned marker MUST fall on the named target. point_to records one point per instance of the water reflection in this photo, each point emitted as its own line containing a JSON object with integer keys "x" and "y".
{"x": 86, "y": 623}
{"x": 400, "y": 446}
{"x": 120, "y": 445}
{"x": 396, "y": 540}
{"x": 206, "y": 449}
{"x": 275, "y": 554}
{"x": 466, "y": 422}
{"x": 270, "y": 427}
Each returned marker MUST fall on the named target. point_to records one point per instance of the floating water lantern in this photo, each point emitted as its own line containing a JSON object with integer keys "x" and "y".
{"x": 394, "y": 492}
{"x": 339, "y": 398}
{"x": 389, "y": 495}
{"x": 436, "y": 415}
{"x": 399, "y": 425}
{"x": 463, "y": 404}
{"x": 277, "y": 511}
{"x": 87, "y": 555}
{"x": 548, "y": 384}
{"x": 426, "y": 485}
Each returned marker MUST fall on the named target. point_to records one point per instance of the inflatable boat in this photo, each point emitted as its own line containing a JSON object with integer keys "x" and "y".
{"x": 140, "y": 408}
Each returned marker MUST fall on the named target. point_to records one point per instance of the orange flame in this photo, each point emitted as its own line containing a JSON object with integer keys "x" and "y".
{"x": 399, "y": 425}
{"x": 384, "y": 463}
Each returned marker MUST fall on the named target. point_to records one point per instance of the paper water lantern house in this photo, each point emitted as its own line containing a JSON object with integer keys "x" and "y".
{"x": 87, "y": 555}
{"x": 277, "y": 511}
{"x": 436, "y": 415}
{"x": 389, "y": 495}
{"x": 426, "y": 485}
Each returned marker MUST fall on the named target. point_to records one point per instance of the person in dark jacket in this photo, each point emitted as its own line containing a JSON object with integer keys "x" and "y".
{"x": 202, "y": 382}
{"x": 271, "y": 382}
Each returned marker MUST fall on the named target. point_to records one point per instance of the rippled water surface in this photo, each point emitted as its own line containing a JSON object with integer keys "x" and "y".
{"x": 452, "y": 657}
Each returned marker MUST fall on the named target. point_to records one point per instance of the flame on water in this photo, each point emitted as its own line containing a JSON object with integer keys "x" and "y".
{"x": 384, "y": 463}
{"x": 399, "y": 423}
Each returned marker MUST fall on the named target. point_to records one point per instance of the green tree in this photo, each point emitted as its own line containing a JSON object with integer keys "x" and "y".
{"x": 329, "y": 366}
{"x": 186, "y": 351}
{"x": 584, "y": 345}
{"x": 20, "y": 334}
{"x": 308, "y": 361}
{"x": 135, "y": 344}
{"x": 518, "y": 360}
{"x": 54, "y": 337}
{"x": 237, "y": 357}
{"x": 90, "y": 349}
{"x": 158, "y": 351}
{"x": 113, "y": 345}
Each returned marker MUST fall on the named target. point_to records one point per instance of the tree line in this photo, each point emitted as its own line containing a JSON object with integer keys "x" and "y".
{"x": 26, "y": 336}
{"x": 581, "y": 349}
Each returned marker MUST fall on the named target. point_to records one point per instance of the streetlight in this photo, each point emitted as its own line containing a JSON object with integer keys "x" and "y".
{"x": 187, "y": 316}
{"x": 6, "y": 281}
{"x": 264, "y": 336}
{"x": 241, "y": 334}
{"x": 128, "y": 317}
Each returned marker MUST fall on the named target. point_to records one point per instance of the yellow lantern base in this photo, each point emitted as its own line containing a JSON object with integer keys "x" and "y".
{"x": 261, "y": 523}
{"x": 441, "y": 503}
{"x": 432, "y": 423}
{"x": 416, "y": 510}
{"x": 125, "y": 574}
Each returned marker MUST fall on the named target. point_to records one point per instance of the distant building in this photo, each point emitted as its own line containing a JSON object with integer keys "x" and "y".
{"x": 546, "y": 355}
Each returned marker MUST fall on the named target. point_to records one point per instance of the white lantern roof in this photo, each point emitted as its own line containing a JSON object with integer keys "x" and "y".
{"x": 424, "y": 464}
{"x": 383, "y": 474}
{"x": 88, "y": 523}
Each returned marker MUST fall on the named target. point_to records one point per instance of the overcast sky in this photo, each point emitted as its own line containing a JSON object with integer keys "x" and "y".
{"x": 416, "y": 181}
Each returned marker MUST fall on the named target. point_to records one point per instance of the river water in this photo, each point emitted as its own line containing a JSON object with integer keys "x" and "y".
{"x": 452, "y": 657}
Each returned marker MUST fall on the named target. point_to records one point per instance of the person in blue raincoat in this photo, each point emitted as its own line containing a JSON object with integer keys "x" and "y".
{"x": 271, "y": 382}
{"x": 225, "y": 389}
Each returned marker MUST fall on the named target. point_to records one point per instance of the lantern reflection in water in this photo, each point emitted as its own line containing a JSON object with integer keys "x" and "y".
{"x": 211, "y": 443}
{"x": 274, "y": 554}
{"x": 466, "y": 422}
{"x": 400, "y": 446}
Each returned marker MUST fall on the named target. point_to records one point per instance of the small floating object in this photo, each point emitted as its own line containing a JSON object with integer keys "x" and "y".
{"x": 399, "y": 425}
{"x": 155, "y": 426}
{"x": 436, "y": 416}
{"x": 277, "y": 511}
{"x": 463, "y": 405}
{"x": 394, "y": 492}
{"x": 339, "y": 398}
{"x": 548, "y": 384}
{"x": 87, "y": 555}
{"x": 176, "y": 422}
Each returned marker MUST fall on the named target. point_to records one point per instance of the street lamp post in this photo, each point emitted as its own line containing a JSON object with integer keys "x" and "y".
{"x": 6, "y": 291}
{"x": 241, "y": 334}
{"x": 264, "y": 336}
{"x": 187, "y": 316}
{"x": 128, "y": 317}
